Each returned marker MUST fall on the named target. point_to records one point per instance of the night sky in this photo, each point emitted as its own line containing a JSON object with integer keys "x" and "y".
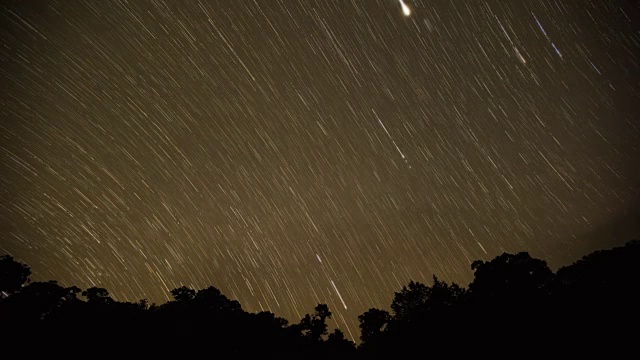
{"x": 296, "y": 152}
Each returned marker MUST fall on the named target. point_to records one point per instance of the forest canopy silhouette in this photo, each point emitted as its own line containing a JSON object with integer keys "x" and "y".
{"x": 514, "y": 305}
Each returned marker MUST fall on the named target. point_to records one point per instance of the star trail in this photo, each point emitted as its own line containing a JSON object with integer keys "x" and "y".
{"x": 300, "y": 152}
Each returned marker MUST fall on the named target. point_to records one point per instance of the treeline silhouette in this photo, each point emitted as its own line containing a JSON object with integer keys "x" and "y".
{"x": 514, "y": 307}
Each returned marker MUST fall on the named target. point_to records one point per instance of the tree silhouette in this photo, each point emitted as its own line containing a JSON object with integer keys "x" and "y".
{"x": 315, "y": 326}
{"x": 144, "y": 304}
{"x": 338, "y": 344}
{"x": 514, "y": 303}
{"x": 417, "y": 299}
{"x": 372, "y": 323}
{"x": 508, "y": 277}
{"x": 13, "y": 275}
{"x": 183, "y": 294}
{"x": 38, "y": 300}
{"x": 410, "y": 300}
{"x": 599, "y": 291}
{"x": 97, "y": 295}
{"x": 213, "y": 299}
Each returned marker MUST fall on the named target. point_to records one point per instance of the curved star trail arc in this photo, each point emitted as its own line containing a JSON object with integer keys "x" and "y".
{"x": 152, "y": 144}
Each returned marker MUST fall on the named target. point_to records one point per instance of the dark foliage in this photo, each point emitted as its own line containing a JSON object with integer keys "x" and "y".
{"x": 12, "y": 275}
{"x": 515, "y": 306}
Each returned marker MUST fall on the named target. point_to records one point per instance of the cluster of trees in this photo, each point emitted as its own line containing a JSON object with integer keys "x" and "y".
{"x": 515, "y": 303}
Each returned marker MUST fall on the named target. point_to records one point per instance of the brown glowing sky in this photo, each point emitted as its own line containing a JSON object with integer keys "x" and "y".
{"x": 295, "y": 152}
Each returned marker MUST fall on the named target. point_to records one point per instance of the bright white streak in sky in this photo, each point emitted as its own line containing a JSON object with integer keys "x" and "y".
{"x": 540, "y": 25}
{"x": 515, "y": 49}
{"x": 555, "y": 48}
{"x": 332, "y": 284}
{"x": 338, "y": 292}
{"x": 389, "y": 135}
{"x": 405, "y": 9}
{"x": 398, "y": 148}
{"x": 384, "y": 127}
{"x": 482, "y": 247}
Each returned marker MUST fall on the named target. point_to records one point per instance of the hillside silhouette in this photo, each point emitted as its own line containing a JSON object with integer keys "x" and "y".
{"x": 514, "y": 307}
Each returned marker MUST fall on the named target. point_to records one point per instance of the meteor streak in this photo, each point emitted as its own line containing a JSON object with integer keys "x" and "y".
{"x": 555, "y": 48}
{"x": 332, "y": 283}
{"x": 513, "y": 45}
{"x": 391, "y": 138}
{"x": 405, "y": 9}
{"x": 338, "y": 292}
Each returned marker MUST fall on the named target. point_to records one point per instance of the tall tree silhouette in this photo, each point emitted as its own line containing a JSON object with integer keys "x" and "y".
{"x": 372, "y": 323}
{"x": 315, "y": 326}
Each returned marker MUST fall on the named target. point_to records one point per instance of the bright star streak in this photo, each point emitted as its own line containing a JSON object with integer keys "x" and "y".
{"x": 332, "y": 283}
{"x": 555, "y": 48}
{"x": 515, "y": 49}
{"x": 389, "y": 135}
{"x": 338, "y": 292}
{"x": 405, "y": 9}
